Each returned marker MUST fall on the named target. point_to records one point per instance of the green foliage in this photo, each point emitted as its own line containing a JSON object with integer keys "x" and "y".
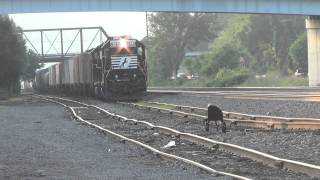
{"x": 261, "y": 41}
{"x": 257, "y": 43}
{"x": 298, "y": 52}
{"x": 31, "y": 63}
{"x": 228, "y": 47}
{"x": 158, "y": 73}
{"x": 268, "y": 41}
{"x": 192, "y": 66}
{"x": 226, "y": 56}
{"x": 228, "y": 77}
{"x": 195, "y": 83}
{"x": 12, "y": 53}
{"x": 275, "y": 79}
{"x": 15, "y": 62}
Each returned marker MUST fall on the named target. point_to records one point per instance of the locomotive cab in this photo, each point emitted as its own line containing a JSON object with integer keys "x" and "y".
{"x": 123, "y": 65}
{"x": 128, "y": 68}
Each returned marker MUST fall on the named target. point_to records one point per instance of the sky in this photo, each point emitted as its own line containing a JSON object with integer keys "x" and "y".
{"x": 114, "y": 23}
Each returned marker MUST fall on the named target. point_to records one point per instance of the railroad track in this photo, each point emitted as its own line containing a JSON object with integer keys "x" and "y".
{"x": 240, "y": 89}
{"x": 234, "y": 118}
{"x": 262, "y": 93}
{"x": 261, "y": 90}
{"x": 147, "y": 133}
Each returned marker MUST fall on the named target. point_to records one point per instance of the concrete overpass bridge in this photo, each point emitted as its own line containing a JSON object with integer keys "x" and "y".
{"x": 310, "y": 8}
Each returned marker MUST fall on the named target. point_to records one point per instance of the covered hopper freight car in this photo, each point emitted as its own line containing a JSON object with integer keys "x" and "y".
{"x": 115, "y": 68}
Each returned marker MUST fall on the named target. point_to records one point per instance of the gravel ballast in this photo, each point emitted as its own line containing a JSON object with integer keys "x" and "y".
{"x": 270, "y": 107}
{"x": 248, "y": 138}
{"x": 38, "y": 140}
{"x": 216, "y": 159}
{"x": 296, "y": 145}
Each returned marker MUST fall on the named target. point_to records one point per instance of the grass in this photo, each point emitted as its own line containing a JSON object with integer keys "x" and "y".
{"x": 276, "y": 81}
{"x": 272, "y": 79}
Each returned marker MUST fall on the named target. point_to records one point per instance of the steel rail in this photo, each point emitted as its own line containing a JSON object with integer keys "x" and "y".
{"x": 236, "y": 115}
{"x": 270, "y": 160}
{"x": 265, "y": 93}
{"x": 281, "y": 89}
{"x": 271, "y": 94}
{"x": 155, "y": 151}
{"x": 246, "y": 119}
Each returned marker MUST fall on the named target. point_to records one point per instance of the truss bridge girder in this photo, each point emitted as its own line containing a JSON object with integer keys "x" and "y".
{"x": 59, "y": 44}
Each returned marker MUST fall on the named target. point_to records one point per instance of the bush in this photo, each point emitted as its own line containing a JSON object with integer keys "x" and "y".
{"x": 228, "y": 77}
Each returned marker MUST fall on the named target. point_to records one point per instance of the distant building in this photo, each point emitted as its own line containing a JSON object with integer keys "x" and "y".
{"x": 201, "y": 49}
{"x": 194, "y": 54}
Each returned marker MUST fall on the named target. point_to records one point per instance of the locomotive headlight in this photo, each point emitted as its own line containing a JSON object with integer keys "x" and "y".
{"x": 134, "y": 75}
{"x": 116, "y": 76}
{"x": 123, "y": 43}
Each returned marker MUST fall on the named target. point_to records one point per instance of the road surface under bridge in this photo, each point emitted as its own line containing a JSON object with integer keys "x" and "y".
{"x": 294, "y": 7}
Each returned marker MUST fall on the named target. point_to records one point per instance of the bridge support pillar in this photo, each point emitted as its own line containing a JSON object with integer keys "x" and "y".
{"x": 313, "y": 33}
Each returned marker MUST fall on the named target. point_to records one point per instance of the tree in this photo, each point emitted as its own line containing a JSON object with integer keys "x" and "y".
{"x": 192, "y": 66}
{"x": 12, "y": 54}
{"x": 228, "y": 47}
{"x": 269, "y": 38}
{"x": 172, "y": 34}
{"x": 31, "y": 63}
{"x": 263, "y": 40}
{"x": 159, "y": 62}
{"x": 299, "y": 53}
{"x": 259, "y": 43}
